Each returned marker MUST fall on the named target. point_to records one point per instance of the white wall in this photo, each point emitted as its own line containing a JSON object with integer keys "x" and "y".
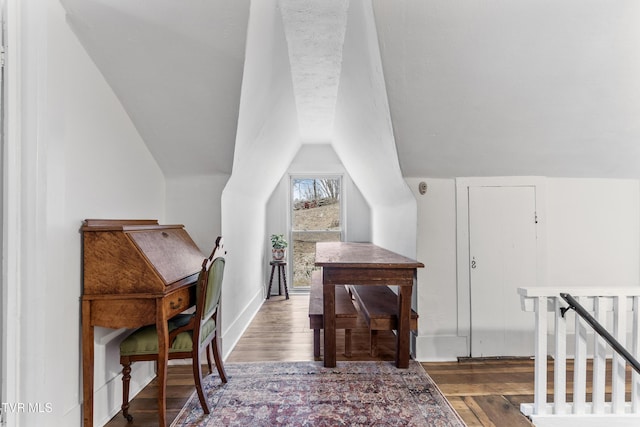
{"x": 266, "y": 142}
{"x": 194, "y": 201}
{"x": 581, "y": 255}
{"x": 437, "y": 293}
{"x": 593, "y": 232}
{"x": 81, "y": 157}
{"x": 592, "y": 235}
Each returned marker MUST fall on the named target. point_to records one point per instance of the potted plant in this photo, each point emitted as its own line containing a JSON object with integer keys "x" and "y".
{"x": 278, "y": 243}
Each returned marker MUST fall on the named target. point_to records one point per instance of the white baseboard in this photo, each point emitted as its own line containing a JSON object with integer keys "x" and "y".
{"x": 440, "y": 348}
{"x": 107, "y": 399}
{"x": 233, "y": 333}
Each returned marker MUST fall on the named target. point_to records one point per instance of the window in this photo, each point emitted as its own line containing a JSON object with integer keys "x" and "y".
{"x": 316, "y": 216}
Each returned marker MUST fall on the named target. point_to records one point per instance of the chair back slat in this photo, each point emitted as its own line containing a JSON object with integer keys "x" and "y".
{"x": 209, "y": 288}
{"x": 214, "y": 287}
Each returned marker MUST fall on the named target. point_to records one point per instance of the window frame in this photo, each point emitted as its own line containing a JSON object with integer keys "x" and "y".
{"x": 290, "y": 216}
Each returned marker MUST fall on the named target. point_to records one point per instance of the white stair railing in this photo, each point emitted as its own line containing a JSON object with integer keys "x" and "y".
{"x": 618, "y": 311}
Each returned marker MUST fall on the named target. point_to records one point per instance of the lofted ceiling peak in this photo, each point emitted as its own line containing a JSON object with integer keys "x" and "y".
{"x": 315, "y": 31}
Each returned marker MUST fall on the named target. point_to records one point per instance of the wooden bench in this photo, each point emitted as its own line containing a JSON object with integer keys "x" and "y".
{"x": 379, "y": 307}
{"x": 346, "y": 313}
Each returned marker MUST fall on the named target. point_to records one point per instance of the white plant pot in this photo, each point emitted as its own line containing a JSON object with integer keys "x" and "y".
{"x": 277, "y": 254}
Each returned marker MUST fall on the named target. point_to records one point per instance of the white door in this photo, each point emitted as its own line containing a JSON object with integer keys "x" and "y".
{"x": 502, "y": 258}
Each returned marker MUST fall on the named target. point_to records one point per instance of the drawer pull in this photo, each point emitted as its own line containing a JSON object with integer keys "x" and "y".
{"x": 173, "y": 304}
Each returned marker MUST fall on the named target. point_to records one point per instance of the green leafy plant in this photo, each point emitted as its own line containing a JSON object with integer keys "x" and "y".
{"x": 278, "y": 241}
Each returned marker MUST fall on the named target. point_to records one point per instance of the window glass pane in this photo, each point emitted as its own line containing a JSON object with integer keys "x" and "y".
{"x": 316, "y": 217}
{"x": 316, "y": 204}
{"x": 304, "y": 254}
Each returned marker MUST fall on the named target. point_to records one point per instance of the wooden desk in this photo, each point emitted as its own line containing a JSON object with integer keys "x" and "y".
{"x": 346, "y": 263}
{"x": 135, "y": 273}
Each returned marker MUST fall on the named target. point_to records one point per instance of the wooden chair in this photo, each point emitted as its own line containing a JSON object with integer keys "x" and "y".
{"x": 184, "y": 330}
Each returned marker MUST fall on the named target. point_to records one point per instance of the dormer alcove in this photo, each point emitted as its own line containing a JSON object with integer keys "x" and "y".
{"x": 317, "y": 160}
{"x": 271, "y": 144}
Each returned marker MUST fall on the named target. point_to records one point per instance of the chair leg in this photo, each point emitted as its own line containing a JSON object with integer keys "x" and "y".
{"x": 197, "y": 377}
{"x": 126, "y": 380}
{"x": 218, "y": 359}
{"x": 207, "y": 350}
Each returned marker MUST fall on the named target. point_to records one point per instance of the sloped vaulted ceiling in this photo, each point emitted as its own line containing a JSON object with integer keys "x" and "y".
{"x": 475, "y": 89}
{"x": 513, "y": 88}
{"x": 176, "y": 66}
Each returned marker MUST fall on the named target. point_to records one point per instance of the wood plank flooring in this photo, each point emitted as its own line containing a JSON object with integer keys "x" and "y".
{"x": 484, "y": 393}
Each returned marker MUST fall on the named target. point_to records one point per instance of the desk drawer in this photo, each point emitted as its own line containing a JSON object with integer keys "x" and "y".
{"x": 123, "y": 313}
{"x": 178, "y": 301}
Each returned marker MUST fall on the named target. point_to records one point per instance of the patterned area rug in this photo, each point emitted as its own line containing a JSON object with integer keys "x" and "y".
{"x": 308, "y": 394}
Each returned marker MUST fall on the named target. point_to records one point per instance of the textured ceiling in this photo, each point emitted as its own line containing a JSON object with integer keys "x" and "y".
{"x": 315, "y": 34}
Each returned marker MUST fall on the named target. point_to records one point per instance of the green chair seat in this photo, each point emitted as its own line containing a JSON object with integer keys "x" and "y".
{"x": 145, "y": 339}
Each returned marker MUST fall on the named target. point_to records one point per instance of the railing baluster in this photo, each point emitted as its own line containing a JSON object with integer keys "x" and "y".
{"x": 606, "y": 318}
{"x": 599, "y": 359}
{"x": 580, "y": 367}
{"x": 635, "y": 377}
{"x": 540, "y": 384}
{"x": 560, "y": 361}
{"x": 618, "y": 364}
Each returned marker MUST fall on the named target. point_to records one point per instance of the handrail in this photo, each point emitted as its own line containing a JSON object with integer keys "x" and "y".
{"x": 600, "y": 330}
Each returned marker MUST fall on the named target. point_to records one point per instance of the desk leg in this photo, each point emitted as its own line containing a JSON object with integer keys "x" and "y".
{"x": 87, "y": 365}
{"x": 404, "y": 327}
{"x": 163, "y": 358}
{"x": 329, "y": 315}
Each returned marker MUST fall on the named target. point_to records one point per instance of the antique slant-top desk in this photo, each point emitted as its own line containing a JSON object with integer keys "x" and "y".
{"x": 135, "y": 273}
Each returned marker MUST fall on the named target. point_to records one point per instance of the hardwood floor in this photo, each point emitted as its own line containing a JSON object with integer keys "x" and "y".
{"x": 484, "y": 393}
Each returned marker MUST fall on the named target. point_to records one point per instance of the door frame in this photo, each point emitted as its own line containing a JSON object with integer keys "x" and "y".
{"x": 462, "y": 238}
